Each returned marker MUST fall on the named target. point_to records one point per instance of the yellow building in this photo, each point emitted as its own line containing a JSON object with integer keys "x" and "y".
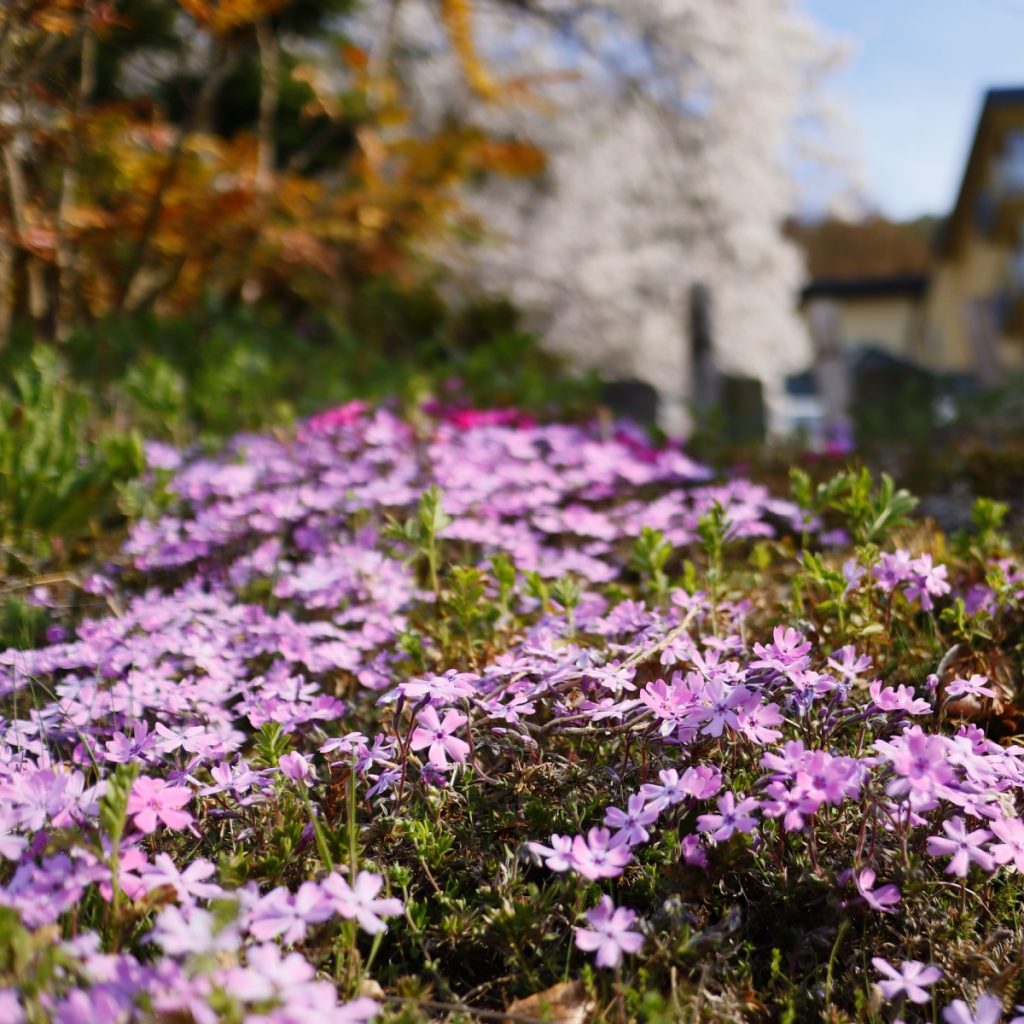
{"x": 878, "y": 293}
{"x": 973, "y": 320}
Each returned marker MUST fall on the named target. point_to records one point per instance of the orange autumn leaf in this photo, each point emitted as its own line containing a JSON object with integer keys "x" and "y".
{"x": 225, "y": 16}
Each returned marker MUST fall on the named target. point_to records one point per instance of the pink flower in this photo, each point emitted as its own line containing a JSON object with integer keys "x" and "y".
{"x": 962, "y": 846}
{"x": 609, "y": 933}
{"x": 10, "y": 1006}
{"x": 359, "y": 900}
{"x": 153, "y": 800}
{"x": 910, "y": 979}
{"x": 437, "y": 734}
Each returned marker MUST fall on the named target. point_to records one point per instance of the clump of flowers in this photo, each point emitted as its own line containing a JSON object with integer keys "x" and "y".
{"x": 489, "y": 703}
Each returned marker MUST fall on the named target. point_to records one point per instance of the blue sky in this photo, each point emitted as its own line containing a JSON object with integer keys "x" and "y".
{"x": 913, "y": 87}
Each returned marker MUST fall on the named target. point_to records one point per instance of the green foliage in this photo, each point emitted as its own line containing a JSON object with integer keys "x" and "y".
{"x": 650, "y": 555}
{"x": 21, "y": 624}
{"x": 986, "y": 537}
{"x": 114, "y": 803}
{"x": 58, "y": 476}
{"x": 566, "y": 593}
{"x": 271, "y": 744}
{"x": 219, "y": 370}
{"x": 870, "y": 512}
{"x": 467, "y": 616}
{"x": 421, "y": 533}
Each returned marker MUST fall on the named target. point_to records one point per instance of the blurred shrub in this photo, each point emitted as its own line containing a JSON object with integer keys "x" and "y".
{"x": 219, "y": 369}
{"x": 58, "y": 472}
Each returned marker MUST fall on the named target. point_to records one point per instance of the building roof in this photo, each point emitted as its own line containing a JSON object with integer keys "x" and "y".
{"x": 871, "y": 250}
{"x": 1000, "y": 108}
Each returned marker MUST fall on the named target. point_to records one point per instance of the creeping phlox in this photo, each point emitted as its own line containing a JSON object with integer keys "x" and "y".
{"x": 262, "y": 653}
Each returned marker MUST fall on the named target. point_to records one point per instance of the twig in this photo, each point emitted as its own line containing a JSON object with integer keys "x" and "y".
{"x": 433, "y": 1004}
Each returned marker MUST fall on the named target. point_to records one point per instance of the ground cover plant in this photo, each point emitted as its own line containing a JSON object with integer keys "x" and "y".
{"x": 470, "y": 717}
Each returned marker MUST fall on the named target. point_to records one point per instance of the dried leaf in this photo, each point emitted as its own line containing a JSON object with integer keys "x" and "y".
{"x": 565, "y": 1003}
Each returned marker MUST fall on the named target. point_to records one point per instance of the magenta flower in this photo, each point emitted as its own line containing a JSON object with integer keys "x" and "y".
{"x": 609, "y": 933}
{"x": 360, "y": 900}
{"x": 437, "y": 734}
{"x": 910, "y": 979}
{"x": 962, "y": 846}
{"x": 153, "y": 800}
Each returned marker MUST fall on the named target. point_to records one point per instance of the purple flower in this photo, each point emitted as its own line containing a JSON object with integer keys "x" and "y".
{"x": 360, "y": 900}
{"x": 436, "y": 734}
{"x": 973, "y": 687}
{"x": 1011, "y": 831}
{"x": 926, "y": 581}
{"x": 188, "y": 884}
{"x": 609, "y": 933}
{"x": 900, "y": 698}
{"x": 962, "y": 846}
{"x": 732, "y": 817}
{"x": 280, "y": 913}
{"x": 632, "y": 823}
{"x": 883, "y": 899}
{"x": 987, "y": 1010}
{"x": 191, "y": 930}
{"x": 910, "y": 979}
{"x": 120, "y": 749}
{"x": 557, "y": 856}
{"x": 892, "y": 569}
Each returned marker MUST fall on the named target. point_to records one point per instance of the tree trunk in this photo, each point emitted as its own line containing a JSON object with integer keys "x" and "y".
{"x": 270, "y": 89}
{"x": 18, "y": 191}
{"x": 68, "y": 299}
